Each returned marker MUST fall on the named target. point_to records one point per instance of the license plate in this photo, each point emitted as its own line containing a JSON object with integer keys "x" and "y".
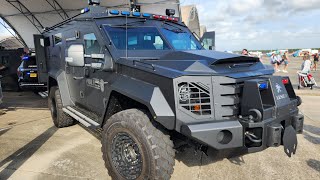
{"x": 33, "y": 75}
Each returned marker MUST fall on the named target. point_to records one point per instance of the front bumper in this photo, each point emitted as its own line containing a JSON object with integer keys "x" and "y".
{"x": 232, "y": 134}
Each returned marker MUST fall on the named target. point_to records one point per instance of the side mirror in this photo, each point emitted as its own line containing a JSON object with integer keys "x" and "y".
{"x": 75, "y": 55}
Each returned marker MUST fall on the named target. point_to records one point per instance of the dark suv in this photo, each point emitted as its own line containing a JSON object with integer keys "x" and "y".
{"x": 28, "y": 75}
{"x": 148, "y": 86}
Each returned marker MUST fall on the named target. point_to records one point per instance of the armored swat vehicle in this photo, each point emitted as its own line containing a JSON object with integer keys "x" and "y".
{"x": 145, "y": 82}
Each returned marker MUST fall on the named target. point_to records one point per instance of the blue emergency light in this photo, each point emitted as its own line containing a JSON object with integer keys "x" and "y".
{"x": 146, "y": 15}
{"x": 263, "y": 85}
{"x": 25, "y": 58}
{"x": 85, "y": 10}
{"x": 125, "y": 13}
{"x": 136, "y": 14}
{"x": 114, "y": 12}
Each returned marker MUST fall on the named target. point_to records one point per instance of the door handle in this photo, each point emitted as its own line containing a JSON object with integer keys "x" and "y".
{"x": 78, "y": 78}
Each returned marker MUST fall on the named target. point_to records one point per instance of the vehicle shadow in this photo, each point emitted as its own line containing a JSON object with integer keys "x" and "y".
{"x": 314, "y": 164}
{"x": 309, "y": 132}
{"x": 191, "y": 158}
{"x": 17, "y": 159}
{"x": 22, "y": 100}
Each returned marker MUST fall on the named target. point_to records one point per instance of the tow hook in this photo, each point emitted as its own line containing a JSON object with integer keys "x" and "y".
{"x": 253, "y": 138}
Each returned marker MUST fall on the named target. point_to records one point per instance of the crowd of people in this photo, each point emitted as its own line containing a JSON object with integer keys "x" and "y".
{"x": 283, "y": 58}
{"x": 277, "y": 59}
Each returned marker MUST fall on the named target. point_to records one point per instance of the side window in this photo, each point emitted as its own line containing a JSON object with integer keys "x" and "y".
{"x": 47, "y": 41}
{"x": 57, "y": 38}
{"x": 91, "y": 45}
{"x": 158, "y": 44}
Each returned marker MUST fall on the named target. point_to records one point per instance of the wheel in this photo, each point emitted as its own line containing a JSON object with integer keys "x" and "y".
{"x": 60, "y": 119}
{"x": 134, "y": 149}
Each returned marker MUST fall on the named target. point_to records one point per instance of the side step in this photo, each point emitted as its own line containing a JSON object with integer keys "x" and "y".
{"x": 83, "y": 119}
{"x": 43, "y": 94}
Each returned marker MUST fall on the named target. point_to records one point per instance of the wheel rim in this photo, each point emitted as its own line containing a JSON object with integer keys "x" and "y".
{"x": 126, "y": 156}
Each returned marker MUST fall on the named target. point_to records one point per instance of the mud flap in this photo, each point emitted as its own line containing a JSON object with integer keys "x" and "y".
{"x": 290, "y": 142}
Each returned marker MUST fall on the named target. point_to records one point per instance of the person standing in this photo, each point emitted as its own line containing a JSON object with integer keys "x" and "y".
{"x": 286, "y": 61}
{"x": 315, "y": 61}
{"x": 274, "y": 61}
{"x": 245, "y": 52}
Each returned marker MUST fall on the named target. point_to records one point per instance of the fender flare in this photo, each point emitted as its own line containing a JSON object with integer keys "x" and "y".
{"x": 60, "y": 77}
{"x": 148, "y": 95}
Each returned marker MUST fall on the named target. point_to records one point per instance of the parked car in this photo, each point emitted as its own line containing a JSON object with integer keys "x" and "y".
{"x": 28, "y": 75}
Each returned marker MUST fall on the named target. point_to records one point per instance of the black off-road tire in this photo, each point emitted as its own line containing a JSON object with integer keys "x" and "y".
{"x": 155, "y": 147}
{"x": 60, "y": 119}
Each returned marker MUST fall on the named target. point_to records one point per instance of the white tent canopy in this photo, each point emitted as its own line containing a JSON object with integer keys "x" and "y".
{"x": 28, "y": 17}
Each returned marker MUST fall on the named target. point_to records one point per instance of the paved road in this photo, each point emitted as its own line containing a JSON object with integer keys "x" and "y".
{"x": 32, "y": 148}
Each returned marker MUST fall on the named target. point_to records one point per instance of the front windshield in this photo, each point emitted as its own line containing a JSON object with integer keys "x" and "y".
{"x": 139, "y": 38}
{"x": 149, "y": 38}
{"x": 179, "y": 39}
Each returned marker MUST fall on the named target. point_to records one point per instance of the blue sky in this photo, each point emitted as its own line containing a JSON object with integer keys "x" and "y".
{"x": 258, "y": 24}
{"x": 261, "y": 24}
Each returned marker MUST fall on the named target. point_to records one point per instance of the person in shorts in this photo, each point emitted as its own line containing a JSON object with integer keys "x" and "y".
{"x": 285, "y": 60}
{"x": 315, "y": 61}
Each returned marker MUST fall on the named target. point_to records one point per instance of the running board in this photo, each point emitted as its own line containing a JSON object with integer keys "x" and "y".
{"x": 83, "y": 119}
{"x": 43, "y": 94}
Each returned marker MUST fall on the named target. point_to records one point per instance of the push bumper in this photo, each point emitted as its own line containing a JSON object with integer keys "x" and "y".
{"x": 250, "y": 136}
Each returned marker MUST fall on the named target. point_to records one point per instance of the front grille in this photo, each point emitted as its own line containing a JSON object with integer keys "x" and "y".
{"x": 231, "y": 100}
{"x": 227, "y": 94}
{"x": 195, "y": 98}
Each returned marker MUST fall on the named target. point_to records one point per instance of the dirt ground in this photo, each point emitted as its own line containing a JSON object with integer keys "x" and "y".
{"x": 32, "y": 148}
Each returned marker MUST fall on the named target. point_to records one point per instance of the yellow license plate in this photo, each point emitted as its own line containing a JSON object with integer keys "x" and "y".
{"x": 33, "y": 74}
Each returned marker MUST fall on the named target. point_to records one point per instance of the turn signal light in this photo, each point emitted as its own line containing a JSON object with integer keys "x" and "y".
{"x": 197, "y": 107}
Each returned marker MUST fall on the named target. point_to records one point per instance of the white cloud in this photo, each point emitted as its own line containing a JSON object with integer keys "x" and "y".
{"x": 261, "y": 24}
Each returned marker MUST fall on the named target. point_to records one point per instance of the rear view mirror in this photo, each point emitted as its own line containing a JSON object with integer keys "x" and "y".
{"x": 75, "y": 55}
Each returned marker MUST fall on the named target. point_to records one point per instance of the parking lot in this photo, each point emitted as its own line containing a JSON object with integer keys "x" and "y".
{"x": 32, "y": 148}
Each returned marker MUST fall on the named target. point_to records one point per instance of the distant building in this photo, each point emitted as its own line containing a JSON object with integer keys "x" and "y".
{"x": 190, "y": 17}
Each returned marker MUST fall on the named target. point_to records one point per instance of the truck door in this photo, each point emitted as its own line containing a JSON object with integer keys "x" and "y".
{"x": 96, "y": 79}
{"x": 41, "y": 44}
{"x": 76, "y": 75}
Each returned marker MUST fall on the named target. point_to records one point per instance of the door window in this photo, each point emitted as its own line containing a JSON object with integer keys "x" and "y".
{"x": 91, "y": 45}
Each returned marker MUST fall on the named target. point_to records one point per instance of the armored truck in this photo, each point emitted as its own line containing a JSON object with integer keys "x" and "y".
{"x": 145, "y": 83}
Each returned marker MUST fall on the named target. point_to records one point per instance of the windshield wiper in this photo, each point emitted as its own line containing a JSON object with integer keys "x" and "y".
{"x": 176, "y": 30}
{"x": 130, "y": 23}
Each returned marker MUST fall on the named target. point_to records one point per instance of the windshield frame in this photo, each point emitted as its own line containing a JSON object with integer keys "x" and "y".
{"x": 159, "y": 26}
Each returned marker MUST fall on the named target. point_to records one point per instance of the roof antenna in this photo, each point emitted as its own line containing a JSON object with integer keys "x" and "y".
{"x": 127, "y": 33}
{"x": 126, "y": 36}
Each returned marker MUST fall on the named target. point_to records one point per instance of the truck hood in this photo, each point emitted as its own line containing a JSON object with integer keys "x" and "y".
{"x": 205, "y": 62}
